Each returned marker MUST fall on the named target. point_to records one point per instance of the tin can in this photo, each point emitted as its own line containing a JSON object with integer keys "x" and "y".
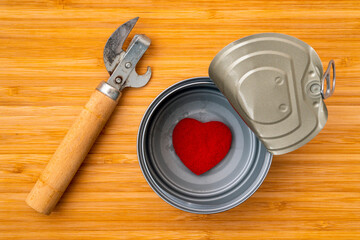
{"x": 268, "y": 89}
{"x": 276, "y": 83}
{"x": 225, "y": 186}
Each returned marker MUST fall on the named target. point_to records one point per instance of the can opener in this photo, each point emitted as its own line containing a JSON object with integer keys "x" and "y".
{"x": 71, "y": 152}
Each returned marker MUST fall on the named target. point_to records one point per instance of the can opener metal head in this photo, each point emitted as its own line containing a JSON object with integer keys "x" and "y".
{"x": 121, "y": 64}
{"x": 81, "y": 136}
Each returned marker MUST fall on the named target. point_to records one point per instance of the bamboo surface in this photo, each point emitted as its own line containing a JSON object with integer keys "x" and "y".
{"x": 51, "y": 61}
{"x": 70, "y": 154}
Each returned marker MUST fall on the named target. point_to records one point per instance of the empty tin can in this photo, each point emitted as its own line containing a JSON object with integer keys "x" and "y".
{"x": 272, "y": 83}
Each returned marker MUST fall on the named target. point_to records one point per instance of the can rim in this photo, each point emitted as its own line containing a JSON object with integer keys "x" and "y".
{"x": 147, "y": 174}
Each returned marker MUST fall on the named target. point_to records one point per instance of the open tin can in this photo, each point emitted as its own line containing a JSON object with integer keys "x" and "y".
{"x": 268, "y": 89}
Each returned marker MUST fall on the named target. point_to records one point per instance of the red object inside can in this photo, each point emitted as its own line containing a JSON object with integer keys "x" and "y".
{"x": 201, "y": 146}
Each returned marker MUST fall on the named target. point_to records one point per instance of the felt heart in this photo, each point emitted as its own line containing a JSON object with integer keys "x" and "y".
{"x": 201, "y": 146}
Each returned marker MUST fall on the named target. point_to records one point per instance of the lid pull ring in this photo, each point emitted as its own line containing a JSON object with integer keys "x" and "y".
{"x": 329, "y": 88}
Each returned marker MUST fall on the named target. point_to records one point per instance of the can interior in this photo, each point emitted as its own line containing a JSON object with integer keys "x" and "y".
{"x": 230, "y": 182}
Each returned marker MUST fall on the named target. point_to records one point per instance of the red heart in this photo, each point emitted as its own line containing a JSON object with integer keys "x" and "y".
{"x": 201, "y": 146}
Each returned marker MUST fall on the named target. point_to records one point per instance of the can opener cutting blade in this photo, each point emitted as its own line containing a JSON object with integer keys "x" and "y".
{"x": 121, "y": 64}
{"x": 71, "y": 152}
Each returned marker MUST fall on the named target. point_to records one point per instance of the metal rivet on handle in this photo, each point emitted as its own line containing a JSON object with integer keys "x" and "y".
{"x": 118, "y": 80}
{"x": 128, "y": 65}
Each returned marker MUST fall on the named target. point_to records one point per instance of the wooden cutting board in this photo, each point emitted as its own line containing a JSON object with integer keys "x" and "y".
{"x": 51, "y": 60}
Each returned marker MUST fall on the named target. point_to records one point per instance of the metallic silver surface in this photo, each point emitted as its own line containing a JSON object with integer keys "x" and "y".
{"x": 108, "y": 90}
{"x": 121, "y": 64}
{"x": 268, "y": 79}
{"x": 125, "y": 70}
{"x": 225, "y": 186}
{"x": 329, "y": 88}
{"x": 113, "y": 47}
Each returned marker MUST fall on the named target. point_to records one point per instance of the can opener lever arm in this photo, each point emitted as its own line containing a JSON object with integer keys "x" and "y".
{"x": 78, "y": 141}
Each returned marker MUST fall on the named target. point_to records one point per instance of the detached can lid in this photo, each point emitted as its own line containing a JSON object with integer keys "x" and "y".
{"x": 277, "y": 85}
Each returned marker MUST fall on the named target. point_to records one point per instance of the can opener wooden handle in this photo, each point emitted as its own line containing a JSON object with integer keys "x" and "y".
{"x": 71, "y": 152}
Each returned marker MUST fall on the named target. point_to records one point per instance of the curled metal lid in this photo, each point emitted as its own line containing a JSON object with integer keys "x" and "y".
{"x": 276, "y": 84}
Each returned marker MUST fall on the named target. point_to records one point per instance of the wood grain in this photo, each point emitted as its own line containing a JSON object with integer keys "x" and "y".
{"x": 71, "y": 152}
{"x": 51, "y": 61}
